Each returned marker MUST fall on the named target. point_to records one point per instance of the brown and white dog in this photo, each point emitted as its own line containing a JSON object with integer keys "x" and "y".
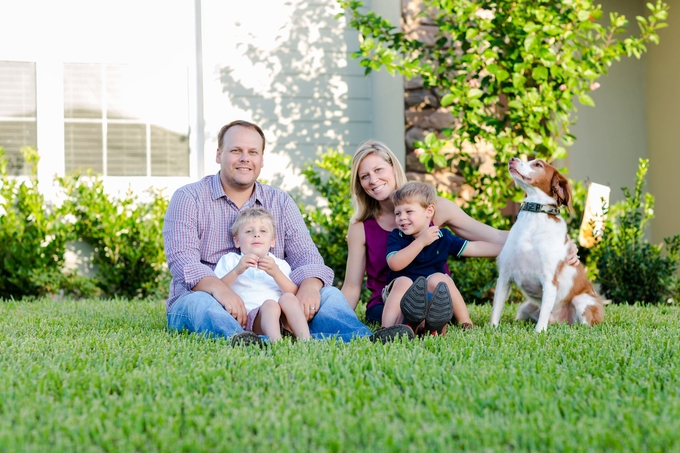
{"x": 535, "y": 253}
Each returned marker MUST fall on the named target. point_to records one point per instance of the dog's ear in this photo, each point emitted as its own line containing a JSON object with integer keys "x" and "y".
{"x": 562, "y": 190}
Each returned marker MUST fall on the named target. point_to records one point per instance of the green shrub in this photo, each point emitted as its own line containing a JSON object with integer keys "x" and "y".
{"x": 509, "y": 71}
{"x": 32, "y": 235}
{"x": 126, "y": 235}
{"x": 330, "y": 175}
{"x": 630, "y": 269}
{"x": 475, "y": 278}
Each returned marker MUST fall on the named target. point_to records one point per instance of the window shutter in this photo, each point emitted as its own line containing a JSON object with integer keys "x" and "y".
{"x": 18, "y": 126}
{"x": 125, "y": 120}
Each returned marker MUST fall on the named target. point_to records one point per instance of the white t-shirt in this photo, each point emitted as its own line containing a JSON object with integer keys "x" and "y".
{"x": 254, "y": 286}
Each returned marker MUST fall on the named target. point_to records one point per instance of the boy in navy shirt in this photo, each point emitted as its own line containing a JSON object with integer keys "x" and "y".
{"x": 417, "y": 252}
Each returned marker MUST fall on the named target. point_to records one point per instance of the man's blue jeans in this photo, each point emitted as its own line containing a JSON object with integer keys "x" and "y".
{"x": 199, "y": 312}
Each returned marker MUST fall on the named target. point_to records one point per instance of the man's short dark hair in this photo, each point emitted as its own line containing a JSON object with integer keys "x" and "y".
{"x": 242, "y": 123}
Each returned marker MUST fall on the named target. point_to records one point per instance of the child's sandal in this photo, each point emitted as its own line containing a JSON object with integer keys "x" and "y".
{"x": 440, "y": 309}
{"x": 413, "y": 302}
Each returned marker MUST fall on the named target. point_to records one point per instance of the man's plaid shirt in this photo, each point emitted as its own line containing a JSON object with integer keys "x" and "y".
{"x": 197, "y": 234}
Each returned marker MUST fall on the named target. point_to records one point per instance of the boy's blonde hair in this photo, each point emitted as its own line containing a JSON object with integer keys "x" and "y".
{"x": 251, "y": 214}
{"x": 415, "y": 192}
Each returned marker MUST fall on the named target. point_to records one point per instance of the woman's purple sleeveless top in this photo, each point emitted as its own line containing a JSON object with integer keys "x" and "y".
{"x": 376, "y": 260}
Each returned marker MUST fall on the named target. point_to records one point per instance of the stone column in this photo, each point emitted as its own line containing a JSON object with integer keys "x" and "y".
{"x": 422, "y": 112}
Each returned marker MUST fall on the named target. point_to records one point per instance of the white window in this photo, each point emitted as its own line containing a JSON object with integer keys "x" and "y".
{"x": 126, "y": 120}
{"x": 17, "y": 113}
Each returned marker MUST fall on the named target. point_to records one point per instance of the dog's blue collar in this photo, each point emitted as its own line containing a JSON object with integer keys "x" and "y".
{"x": 538, "y": 207}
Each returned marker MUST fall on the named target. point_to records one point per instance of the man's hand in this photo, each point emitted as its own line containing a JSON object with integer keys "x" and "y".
{"x": 310, "y": 297}
{"x": 232, "y": 303}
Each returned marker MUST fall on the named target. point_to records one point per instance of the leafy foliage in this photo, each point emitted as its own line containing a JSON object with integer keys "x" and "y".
{"x": 126, "y": 234}
{"x": 330, "y": 176}
{"x": 32, "y": 235}
{"x": 509, "y": 71}
{"x": 475, "y": 278}
{"x": 630, "y": 269}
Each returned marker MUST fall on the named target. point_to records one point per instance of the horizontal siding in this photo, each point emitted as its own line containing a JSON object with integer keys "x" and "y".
{"x": 295, "y": 62}
{"x": 308, "y": 153}
{"x": 322, "y": 133}
{"x": 289, "y": 71}
{"x": 321, "y": 86}
{"x": 323, "y": 38}
{"x": 301, "y": 109}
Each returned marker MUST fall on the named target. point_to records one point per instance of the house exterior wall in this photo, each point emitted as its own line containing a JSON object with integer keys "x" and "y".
{"x": 612, "y": 136}
{"x": 636, "y": 115}
{"x": 286, "y": 66}
{"x": 663, "y": 127}
{"x": 283, "y": 65}
{"x": 80, "y": 31}
{"x": 290, "y": 71}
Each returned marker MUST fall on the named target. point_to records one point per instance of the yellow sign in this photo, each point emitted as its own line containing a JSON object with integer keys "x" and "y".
{"x": 592, "y": 225}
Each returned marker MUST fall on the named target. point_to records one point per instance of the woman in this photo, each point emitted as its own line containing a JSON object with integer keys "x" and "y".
{"x": 376, "y": 174}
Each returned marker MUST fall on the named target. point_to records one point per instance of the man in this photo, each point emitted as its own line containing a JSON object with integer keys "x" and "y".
{"x": 197, "y": 234}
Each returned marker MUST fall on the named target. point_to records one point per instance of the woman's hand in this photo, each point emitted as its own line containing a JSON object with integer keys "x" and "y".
{"x": 572, "y": 255}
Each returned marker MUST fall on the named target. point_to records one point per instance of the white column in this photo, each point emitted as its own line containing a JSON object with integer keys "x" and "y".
{"x": 197, "y": 122}
{"x": 50, "y": 121}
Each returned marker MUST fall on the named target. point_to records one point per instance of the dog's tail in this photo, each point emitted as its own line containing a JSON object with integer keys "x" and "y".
{"x": 589, "y": 309}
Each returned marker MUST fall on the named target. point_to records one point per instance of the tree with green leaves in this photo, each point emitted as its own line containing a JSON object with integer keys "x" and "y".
{"x": 510, "y": 71}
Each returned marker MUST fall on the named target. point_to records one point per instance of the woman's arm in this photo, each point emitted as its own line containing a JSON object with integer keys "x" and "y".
{"x": 451, "y": 215}
{"x": 356, "y": 264}
{"x": 481, "y": 249}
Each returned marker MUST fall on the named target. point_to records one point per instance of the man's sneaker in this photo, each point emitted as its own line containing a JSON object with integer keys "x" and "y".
{"x": 389, "y": 334}
{"x": 439, "y": 310}
{"x": 247, "y": 339}
{"x": 413, "y": 302}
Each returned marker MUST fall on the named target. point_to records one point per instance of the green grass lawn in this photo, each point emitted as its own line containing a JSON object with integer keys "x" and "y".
{"x": 108, "y": 376}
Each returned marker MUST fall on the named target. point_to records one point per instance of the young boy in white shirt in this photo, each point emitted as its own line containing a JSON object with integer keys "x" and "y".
{"x": 261, "y": 279}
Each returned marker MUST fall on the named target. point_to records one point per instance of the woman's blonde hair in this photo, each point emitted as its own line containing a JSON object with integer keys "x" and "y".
{"x": 365, "y": 206}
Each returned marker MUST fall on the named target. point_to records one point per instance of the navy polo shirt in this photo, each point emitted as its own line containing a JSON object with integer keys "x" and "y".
{"x": 431, "y": 259}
